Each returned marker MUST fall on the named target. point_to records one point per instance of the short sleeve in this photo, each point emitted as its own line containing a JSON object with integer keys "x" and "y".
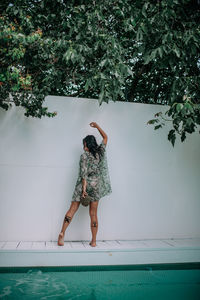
{"x": 83, "y": 166}
{"x": 103, "y": 145}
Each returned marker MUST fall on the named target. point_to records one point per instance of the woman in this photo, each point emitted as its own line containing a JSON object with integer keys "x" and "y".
{"x": 93, "y": 180}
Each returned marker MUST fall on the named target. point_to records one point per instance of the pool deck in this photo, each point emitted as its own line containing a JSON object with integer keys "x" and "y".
{"x": 115, "y": 252}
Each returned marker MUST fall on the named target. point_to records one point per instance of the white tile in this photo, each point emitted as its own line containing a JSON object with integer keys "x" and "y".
{"x": 51, "y": 245}
{"x": 24, "y": 245}
{"x": 87, "y": 246}
{"x": 113, "y": 244}
{"x": 156, "y": 244}
{"x": 67, "y": 245}
{"x": 170, "y": 242}
{"x": 132, "y": 244}
{"x": 187, "y": 242}
{"x": 38, "y": 245}
{"x": 102, "y": 245}
{"x": 10, "y": 245}
{"x": 2, "y": 244}
{"x": 77, "y": 245}
{"x": 54, "y": 245}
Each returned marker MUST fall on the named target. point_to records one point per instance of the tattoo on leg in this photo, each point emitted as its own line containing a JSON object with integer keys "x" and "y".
{"x": 94, "y": 224}
{"x": 68, "y": 219}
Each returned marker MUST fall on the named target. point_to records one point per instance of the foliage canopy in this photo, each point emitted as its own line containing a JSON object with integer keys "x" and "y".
{"x": 119, "y": 50}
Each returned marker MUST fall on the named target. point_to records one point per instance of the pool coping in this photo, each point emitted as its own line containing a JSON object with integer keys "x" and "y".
{"x": 108, "y": 253}
{"x": 73, "y": 250}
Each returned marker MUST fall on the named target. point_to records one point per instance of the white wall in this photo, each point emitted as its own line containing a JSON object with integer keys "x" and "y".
{"x": 155, "y": 186}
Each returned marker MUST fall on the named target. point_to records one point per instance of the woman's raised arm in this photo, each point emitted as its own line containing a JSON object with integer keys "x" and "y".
{"x": 103, "y": 134}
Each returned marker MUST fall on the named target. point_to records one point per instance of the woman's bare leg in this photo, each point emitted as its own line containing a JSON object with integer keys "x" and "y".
{"x": 67, "y": 220}
{"x": 94, "y": 222}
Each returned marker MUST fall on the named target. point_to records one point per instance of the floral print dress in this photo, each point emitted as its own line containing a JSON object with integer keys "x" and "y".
{"x": 95, "y": 171}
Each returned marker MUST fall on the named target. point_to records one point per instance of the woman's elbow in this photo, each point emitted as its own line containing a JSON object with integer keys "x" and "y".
{"x": 105, "y": 140}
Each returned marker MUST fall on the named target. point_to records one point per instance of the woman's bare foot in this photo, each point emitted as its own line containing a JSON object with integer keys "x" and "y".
{"x": 92, "y": 244}
{"x": 61, "y": 239}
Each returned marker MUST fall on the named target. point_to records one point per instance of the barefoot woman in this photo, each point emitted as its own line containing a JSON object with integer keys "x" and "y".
{"x": 93, "y": 179}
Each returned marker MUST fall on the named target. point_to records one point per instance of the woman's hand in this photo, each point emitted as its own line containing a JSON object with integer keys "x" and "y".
{"x": 84, "y": 193}
{"x": 103, "y": 134}
{"x": 94, "y": 124}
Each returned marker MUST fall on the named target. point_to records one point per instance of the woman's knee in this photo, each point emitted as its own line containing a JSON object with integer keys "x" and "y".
{"x": 93, "y": 207}
{"x": 70, "y": 213}
{"x": 74, "y": 206}
{"x": 93, "y": 212}
{"x": 94, "y": 223}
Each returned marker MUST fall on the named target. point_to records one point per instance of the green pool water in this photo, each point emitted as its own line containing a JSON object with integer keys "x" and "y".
{"x": 124, "y": 282}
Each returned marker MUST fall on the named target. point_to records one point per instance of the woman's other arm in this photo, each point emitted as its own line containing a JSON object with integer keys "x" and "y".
{"x": 103, "y": 134}
{"x": 83, "y": 174}
{"x": 84, "y": 184}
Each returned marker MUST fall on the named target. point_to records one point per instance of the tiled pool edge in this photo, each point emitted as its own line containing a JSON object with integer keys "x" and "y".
{"x": 144, "y": 267}
{"x": 99, "y": 257}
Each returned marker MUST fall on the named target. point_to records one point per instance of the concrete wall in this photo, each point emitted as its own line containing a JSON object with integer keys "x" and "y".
{"x": 155, "y": 186}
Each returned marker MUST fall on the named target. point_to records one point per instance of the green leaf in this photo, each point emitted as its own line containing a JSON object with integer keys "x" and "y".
{"x": 101, "y": 95}
{"x": 88, "y": 83}
{"x": 158, "y": 114}
{"x": 172, "y": 136}
{"x": 129, "y": 71}
{"x": 179, "y": 106}
{"x": 147, "y": 59}
{"x": 177, "y": 51}
{"x": 152, "y": 121}
{"x": 160, "y": 51}
{"x": 103, "y": 76}
{"x": 188, "y": 106}
{"x": 103, "y": 62}
{"x": 183, "y": 136}
{"x": 139, "y": 35}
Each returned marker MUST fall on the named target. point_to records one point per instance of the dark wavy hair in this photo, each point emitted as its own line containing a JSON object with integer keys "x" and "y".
{"x": 92, "y": 145}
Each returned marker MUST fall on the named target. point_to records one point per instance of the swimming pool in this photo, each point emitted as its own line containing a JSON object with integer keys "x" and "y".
{"x": 170, "y": 281}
